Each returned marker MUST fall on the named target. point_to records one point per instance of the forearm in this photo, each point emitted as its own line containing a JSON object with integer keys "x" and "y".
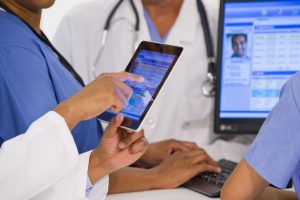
{"x": 69, "y": 113}
{"x": 243, "y": 184}
{"x": 276, "y": 194}
{"x": 287, "y": 195}
{"x": 132, "y": 179}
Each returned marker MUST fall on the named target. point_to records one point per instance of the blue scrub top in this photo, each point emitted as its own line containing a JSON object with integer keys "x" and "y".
{"x": 275, "y": 153}
{"x": 33, "y": 82}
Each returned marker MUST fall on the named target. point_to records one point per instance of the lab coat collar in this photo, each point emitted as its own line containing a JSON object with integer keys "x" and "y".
{"x": 184, "y": 29}
{"x": 186, "y": 25}
{"x": 144, "y": 33}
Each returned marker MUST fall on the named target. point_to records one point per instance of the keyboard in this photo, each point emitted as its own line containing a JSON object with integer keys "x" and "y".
{"x": 210, "y": 184}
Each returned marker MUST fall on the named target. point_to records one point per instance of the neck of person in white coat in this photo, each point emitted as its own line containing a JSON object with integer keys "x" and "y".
{"x": 163, "y": 13}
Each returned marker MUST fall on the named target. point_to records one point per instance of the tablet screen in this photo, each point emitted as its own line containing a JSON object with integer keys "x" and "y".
{"x": 153, "y": 62}
{"x": 153, "y": 66}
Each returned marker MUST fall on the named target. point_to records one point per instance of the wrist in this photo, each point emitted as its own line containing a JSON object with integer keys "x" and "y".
{"x": 67, "y": 111}
{"x": 162, "y": 179}
{"x": 147, "y": 160}
{"x": 154, "y": 178}
{"x": 97, "y": 169}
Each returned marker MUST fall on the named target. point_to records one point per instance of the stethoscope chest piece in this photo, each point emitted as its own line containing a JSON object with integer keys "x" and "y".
{"x": 208, "y": 87}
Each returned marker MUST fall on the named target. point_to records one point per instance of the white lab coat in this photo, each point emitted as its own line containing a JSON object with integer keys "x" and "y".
{"x": 44, "y": 164}
{"x": 181, "y": 111}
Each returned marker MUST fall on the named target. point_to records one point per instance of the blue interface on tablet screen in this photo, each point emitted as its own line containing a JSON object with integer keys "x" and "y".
{"x": 153, "y": 66}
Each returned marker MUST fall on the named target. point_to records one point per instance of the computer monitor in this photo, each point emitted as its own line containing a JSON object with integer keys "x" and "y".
{"x": 258, "y": 51}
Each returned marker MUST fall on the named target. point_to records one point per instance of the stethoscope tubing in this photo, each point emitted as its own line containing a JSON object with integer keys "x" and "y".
{"x": 208, "y": 87}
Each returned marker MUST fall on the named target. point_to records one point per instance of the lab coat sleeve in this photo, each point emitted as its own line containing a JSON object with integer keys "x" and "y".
{"x": 99, "y": 190}
{"x": 34, "y": 161}
{"x": 73, "y": 186}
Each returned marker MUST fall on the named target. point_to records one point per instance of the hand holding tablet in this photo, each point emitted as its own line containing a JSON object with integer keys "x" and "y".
{"x": 154, "y": 62}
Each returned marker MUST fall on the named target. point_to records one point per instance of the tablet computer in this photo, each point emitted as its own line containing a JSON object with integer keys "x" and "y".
{"x": 154, "y": 62}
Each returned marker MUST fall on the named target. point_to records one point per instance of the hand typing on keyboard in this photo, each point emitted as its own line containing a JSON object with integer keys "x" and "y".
{"x": 219, "y": 179}
{"x": 210, "y": 184}
{"x": 182, "y": 166}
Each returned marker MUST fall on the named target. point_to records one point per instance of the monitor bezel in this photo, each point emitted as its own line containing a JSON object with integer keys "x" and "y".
{"x": 231, "y": 125}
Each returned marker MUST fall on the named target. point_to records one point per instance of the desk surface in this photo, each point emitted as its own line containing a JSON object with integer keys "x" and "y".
{"x": 173, "y": 194}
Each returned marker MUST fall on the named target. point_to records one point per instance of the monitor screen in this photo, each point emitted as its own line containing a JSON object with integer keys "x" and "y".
{"x": 261, "y": 51}
{"x": 258, "y": 51}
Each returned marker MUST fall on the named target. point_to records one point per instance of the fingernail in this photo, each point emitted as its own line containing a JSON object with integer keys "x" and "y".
{"x": 122, "y": 145}
{"x": 142, "y": 79}
{"x": 146, "y": 143}
{"x": 146, "y": 140}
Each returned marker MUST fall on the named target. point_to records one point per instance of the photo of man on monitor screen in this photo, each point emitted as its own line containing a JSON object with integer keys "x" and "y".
{"x": 239, "y": 44}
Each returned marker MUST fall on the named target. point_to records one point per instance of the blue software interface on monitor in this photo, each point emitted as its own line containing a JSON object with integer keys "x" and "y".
{"x": 153, "y": 66}
{"x": 261, "y": 51}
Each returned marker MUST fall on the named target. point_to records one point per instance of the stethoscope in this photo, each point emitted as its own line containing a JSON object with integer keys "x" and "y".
{"x": 208, "y": 87}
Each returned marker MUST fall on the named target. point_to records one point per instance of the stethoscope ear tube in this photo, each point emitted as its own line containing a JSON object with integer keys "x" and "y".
{"x": 111, "y": 15}
{"x": 137, "y": 17}
{"x": 106, "y": 28}
{"x": 93, "y": 73}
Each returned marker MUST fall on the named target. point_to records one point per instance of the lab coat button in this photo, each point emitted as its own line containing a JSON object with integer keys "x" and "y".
{"x": 151, "y": 122}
